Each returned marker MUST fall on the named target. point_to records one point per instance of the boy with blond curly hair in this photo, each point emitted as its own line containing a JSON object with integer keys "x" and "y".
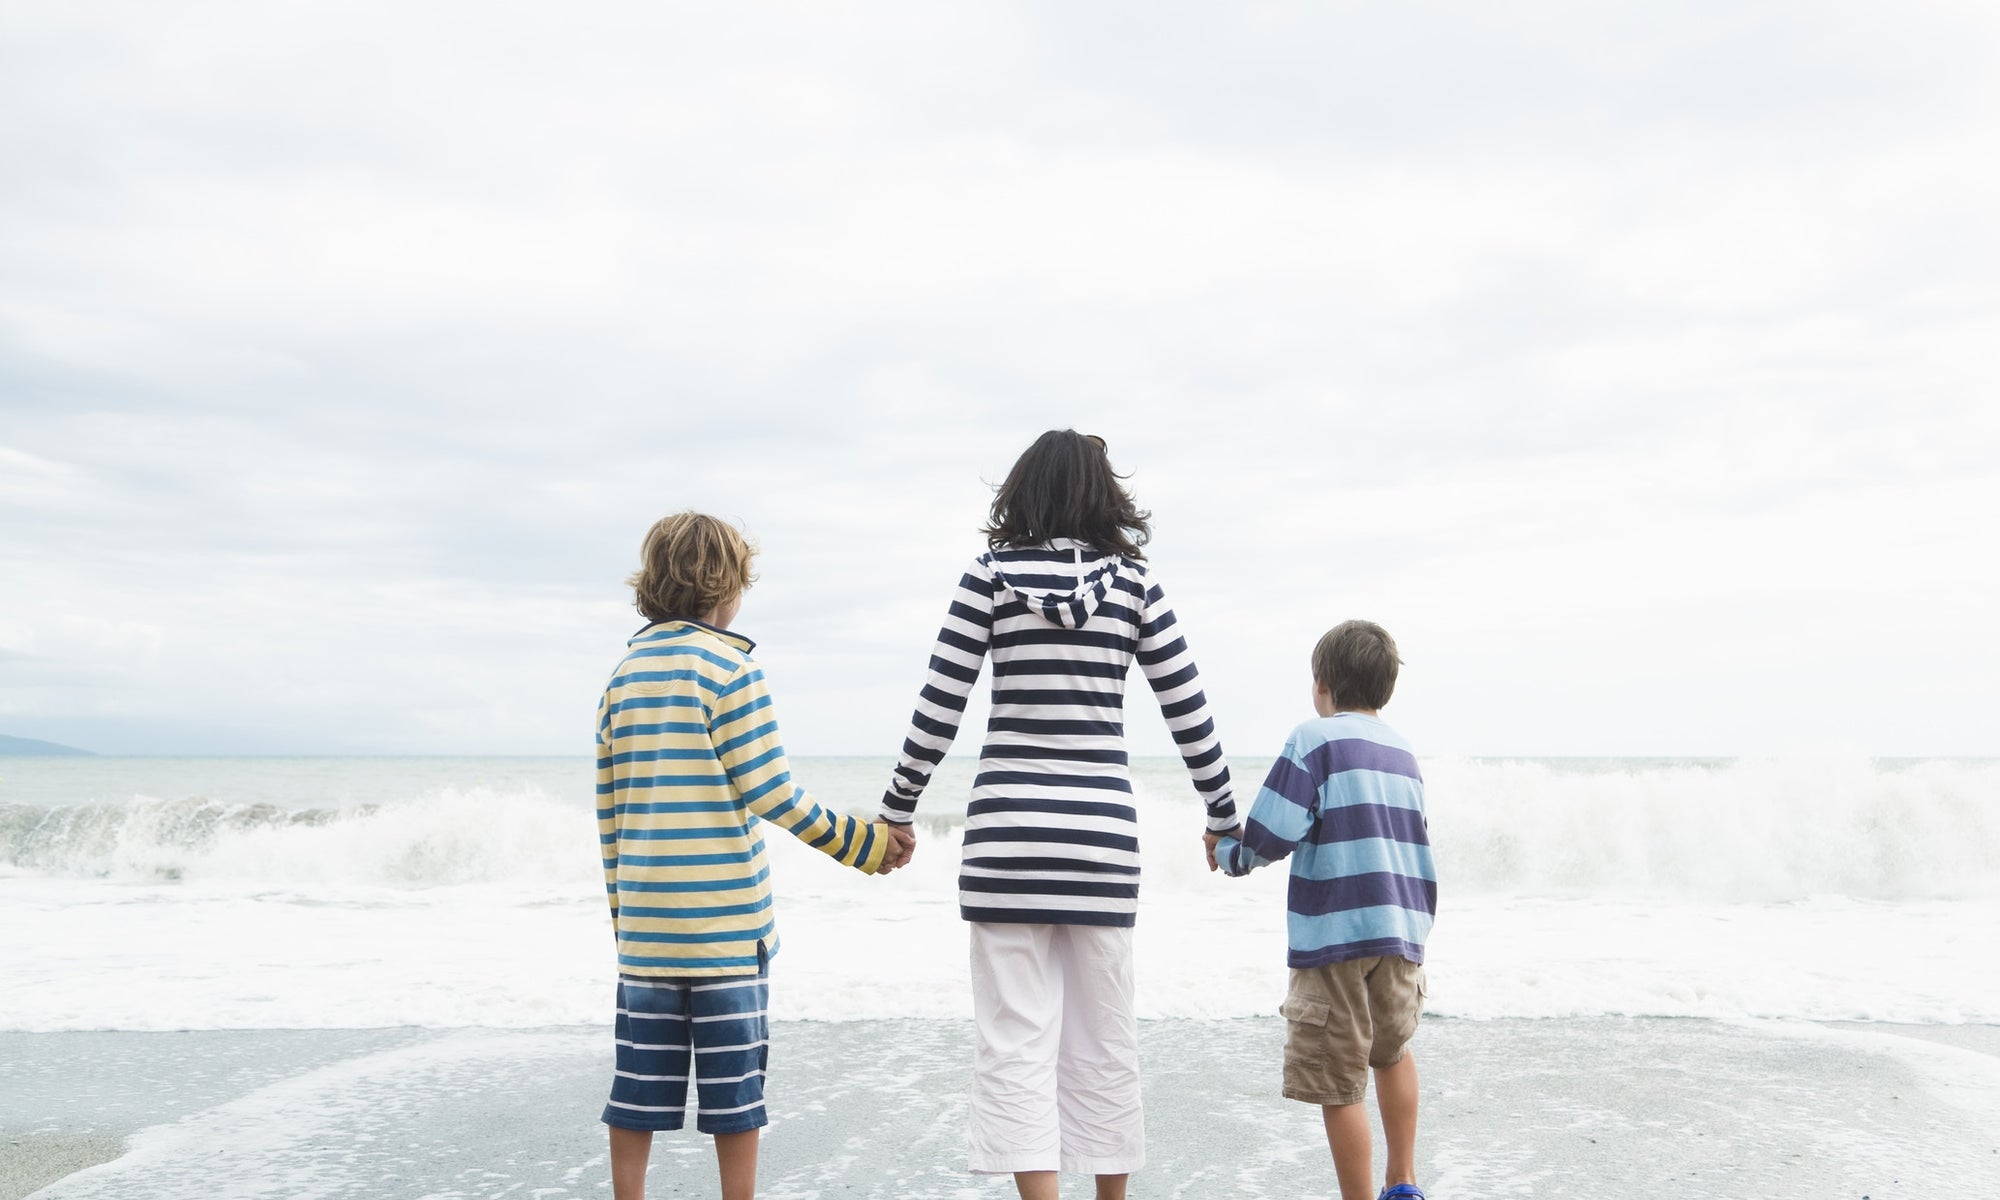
{"x": 688, "y": 753}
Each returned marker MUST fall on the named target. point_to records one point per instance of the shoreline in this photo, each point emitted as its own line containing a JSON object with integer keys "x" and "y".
{"x": 1553, "y": 1107}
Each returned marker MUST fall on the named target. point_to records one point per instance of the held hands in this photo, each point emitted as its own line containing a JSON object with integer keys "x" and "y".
{"x": 1209, "y": 840}
{"x": 902, "y": 846}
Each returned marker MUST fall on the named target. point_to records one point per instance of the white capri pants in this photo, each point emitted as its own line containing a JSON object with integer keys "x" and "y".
{"x": 1055, "y": 1078}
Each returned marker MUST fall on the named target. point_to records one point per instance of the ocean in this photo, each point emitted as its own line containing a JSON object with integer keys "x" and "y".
{"x": 366, "y": 892}
{"x": 364, "y": 977}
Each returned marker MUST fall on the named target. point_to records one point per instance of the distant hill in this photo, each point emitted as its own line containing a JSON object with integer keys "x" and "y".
{"x": 26, "y": 746}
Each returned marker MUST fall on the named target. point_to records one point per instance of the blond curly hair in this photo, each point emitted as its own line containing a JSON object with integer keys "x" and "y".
{"x": 690, "y": 565}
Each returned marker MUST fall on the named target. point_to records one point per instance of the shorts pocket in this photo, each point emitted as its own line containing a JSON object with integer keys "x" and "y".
{"x": 1305, "y": 1012}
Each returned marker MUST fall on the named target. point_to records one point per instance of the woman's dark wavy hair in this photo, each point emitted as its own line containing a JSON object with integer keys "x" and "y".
{"x": 1063, "y": 486}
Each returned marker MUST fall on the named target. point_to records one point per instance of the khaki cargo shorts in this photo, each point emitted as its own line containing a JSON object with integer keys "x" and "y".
{"x": 1343, "y": 1018}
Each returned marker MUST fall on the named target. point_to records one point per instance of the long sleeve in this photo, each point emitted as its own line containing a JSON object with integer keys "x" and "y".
{"x": 954, "y": 668}
{"x": 1280, "y": 817}
{"x": 1163, "y": 654}
{"x": 744, "y": 730}
{"x": 607, "y": 810}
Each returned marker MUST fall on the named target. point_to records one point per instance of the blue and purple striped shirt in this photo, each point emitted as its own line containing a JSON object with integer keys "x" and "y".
{"x": 1346, "y": 801}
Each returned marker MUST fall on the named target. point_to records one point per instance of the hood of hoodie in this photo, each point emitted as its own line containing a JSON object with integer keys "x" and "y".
{"x": 1064, "y": 590}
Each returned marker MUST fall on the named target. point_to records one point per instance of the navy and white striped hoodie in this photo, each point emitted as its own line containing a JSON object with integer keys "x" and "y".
{"x": 1050, "y": 833}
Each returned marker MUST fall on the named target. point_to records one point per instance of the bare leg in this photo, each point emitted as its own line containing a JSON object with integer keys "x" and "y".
{"x": 1396, "y": 1093}
{"x": 630, "y": 1150}
{"x": 1037, "y": 1185}
{"x": 1111, "y": 1187}
{"x": 1348, "y": 1136}
{"x": 736, "y": 1159}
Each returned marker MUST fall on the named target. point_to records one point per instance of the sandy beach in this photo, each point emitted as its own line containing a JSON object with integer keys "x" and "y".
{"x": 1555, "y": 1108}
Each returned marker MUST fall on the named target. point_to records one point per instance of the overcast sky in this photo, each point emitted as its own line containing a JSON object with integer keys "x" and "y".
{"x": 1634, "y": 365}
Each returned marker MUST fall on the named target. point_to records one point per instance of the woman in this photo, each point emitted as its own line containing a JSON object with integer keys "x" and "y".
{"x": 1050, "y": 874}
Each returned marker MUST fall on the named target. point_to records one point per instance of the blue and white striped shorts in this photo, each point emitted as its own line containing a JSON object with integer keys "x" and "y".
{"x": 716, "y": 1026}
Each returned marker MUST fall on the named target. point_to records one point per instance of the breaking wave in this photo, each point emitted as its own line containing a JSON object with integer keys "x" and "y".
{"x": 1752, "y": 830}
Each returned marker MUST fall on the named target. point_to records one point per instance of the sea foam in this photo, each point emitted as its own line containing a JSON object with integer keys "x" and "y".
{"x": 1785, "y": 889}
{"x": 1753, "y": 829}
{"x": 446, "y": 836}
{"x": 1764, "y": 829}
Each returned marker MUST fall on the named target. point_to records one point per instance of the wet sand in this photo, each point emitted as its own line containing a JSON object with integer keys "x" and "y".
{"x": 1571, "y": 1108}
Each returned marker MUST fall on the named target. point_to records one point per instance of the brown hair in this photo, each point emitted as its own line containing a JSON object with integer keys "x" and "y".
{"x": 1063, "y": 487}
{"x": 690, "y": 565}
{"x": 1357, "y": 662}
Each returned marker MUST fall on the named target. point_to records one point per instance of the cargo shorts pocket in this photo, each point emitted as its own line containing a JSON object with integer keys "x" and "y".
{"x": 1322, "y": 1065}
{"x": 1306, "y": 1041}
{"x": 1305, "y": 1037}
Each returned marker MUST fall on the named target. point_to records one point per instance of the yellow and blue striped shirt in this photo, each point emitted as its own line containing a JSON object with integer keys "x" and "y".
{"x": 688, "y": 758}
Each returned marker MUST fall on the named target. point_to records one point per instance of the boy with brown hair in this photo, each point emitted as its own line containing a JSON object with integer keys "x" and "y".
{"x": 1346, "y": 801}
{"x": 688, "y": 753}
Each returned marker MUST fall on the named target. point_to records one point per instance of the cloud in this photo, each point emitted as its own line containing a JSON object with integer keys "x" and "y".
{"x": 1629, "y": 364}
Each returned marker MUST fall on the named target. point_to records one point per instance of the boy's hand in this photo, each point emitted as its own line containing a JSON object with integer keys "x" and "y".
{"x": 882, "y": 851}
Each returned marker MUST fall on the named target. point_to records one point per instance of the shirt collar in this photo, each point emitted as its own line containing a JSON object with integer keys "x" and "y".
{"x": 727, "y": 635}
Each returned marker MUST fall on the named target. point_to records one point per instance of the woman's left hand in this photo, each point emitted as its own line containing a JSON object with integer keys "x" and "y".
{"x": 906, "y": 845}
